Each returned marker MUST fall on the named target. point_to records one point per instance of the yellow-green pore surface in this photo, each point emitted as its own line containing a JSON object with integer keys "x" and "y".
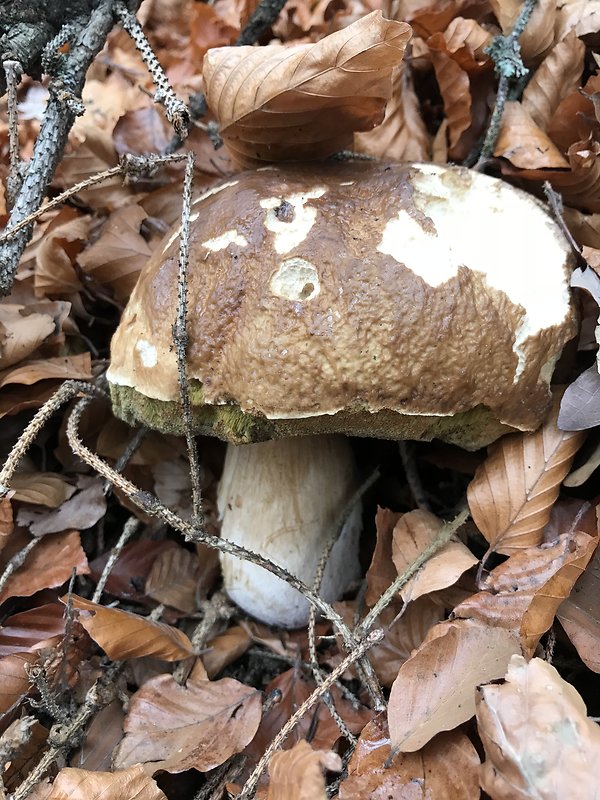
{"x": 395, "y": 301}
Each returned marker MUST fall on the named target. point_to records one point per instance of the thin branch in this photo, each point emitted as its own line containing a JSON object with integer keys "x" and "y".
{"x": 17, "y": 561}
{"x": 129, "y": 529}
{"x": 361, "y": 648}
{"x": 13, "y": 71}
{"x": 412, "y": 475}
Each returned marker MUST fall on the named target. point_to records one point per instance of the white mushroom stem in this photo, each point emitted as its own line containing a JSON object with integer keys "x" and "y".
{"x": 285, "y": 499}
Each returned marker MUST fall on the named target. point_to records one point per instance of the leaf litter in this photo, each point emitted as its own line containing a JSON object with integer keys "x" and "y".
{"x": 200, "y": 692}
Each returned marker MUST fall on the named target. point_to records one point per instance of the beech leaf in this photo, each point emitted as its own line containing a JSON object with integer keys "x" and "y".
{"x": 537, "y": 737}
{"x": 448, "y": 766}
{"x": 122, "y": 634}
{"x": 297, "y": 774}
{"x": 199, "y": 725}
{"x": 82, "y": 784}
{"x": 580, "y": 405}
{"x": 579, "y": 615}
{"x": 278, "y": 103}
{"x": 524, "y": 143}
{"x": 435, "y": 688}
{"x": 513, "y": 491}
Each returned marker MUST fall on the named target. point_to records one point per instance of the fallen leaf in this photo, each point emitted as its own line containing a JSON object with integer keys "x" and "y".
{"x": 142, "y": 131}
{"x": 446, "y": 767}
{"x": 538, "y": 35}
{"x": 580, "y": 404}
{"x": 127, "y": 578}
{"x": 196, "y": 726}
{"x": 524, "y": 593}
{"x": 123, "y": 635}
{"x": 77, "y": 367}
{"x": 435, "y": 688}
{"x": 467, "y": 40}
{"x": 580, "y": 16}
{"x": 21, "y": 333}
{"x": 55, "y": 273}
{"x": 579, "y": 615}
{"x": 413, "y": 533}
{"x": 48, "y": 565}
{"x": 41, "y": 488}
{"x": 100, "y": 739}
{"x": 6, "y": 521}
{"x": 173, "y": 579}
{"x": 381, "y": 572}
{"x": 558, "y": 75}
{"x": 225, "y": 648}
{"x": 29, "y": 630}
{"x": 82, "y": 510}
{"x": 402, "y": 136}
{"x": 524, "y": 143}
{"x": 82, "y": 784}
{"x": 513, "y": 491}
{"x": 297, "y": 774}
{"x": 454, "y": 86}
{"x": 14, "y": 681}
{"x": 274, "y": 103}
{"x": 537, "y": 737}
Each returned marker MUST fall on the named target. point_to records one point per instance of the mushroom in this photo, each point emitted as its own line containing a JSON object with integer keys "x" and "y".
{"x": 395, "y": 301}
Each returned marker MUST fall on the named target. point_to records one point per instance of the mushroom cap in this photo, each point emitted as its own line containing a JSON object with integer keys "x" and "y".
{"x": 388, "y": 300}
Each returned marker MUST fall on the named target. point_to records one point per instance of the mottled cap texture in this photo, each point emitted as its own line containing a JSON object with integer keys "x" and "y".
{"x": 387, "y": 300}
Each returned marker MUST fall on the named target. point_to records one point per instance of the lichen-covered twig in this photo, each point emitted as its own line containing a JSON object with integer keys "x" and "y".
{"x": 13, "y": 72}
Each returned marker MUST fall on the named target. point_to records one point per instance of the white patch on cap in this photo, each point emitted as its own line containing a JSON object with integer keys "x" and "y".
{"x": 214, "y": 190}
{"x": 296, "y": 279}
{"x": 291, "y": 233}
{"x": 148, "y": 353}
{"x": 516, "y": 250}
{"x": 225, "y": 239}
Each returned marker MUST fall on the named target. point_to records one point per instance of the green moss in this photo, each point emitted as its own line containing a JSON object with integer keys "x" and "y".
{"x": 471, "y": 430}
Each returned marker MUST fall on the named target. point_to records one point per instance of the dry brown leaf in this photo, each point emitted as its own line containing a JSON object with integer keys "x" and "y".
{"x": 48, "y": 565}
{"x": 21, "y": 332}
{"x": 413, "y": 533}
{"x": 297, "y": 774}
{"x": 524, "y": 593}
{"x": 435, "y": 688}
{"x": 381, "y": 572}
{"x": 55, "y": 256}
{"x": 467, "y": 40}
{"x": 557, "y": 76}
{"x": 447, "y": 767}
{"x": 579, "y": 615}
{"x": 28, "y": 753}
{"x": 513, "y": 491}
{"x": 173, "y": 579}
{"x": 582, "y": 16}
{"x": 82, "y": 784}
{"x": 117, "y": 257}
{"x": 196, "y": 726}
{"x": 402, "y": 136}
{"x": 225, "y": 648}
{"x": 100, "y": 739}
{"x": 14, "y": 681}
{"x": 425, "y": 16}
{"x": 455, "y": 89}
{"x": 122, "y": 634}
{"x": 537, "y": 737}
{"x": 6, "y": 521}
{"x": 142, "y": 131}
{"x": 77, "y": 367}
{"x": 82, "y": 511}
{"x": 41, "y": 488}
{"x": 523, "y": 143}
{"x": 538, "y": 35}
{"x": 128, "y": 576}
{"x": 29, "y": 630}
{"x": 275, "y": 103}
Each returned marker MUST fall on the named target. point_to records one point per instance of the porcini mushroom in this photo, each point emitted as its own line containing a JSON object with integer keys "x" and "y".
{"x": 384, "y": 300}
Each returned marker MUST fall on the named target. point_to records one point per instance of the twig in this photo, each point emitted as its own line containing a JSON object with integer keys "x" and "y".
{"x": 443, "y": 537}
{"x": 129, "y": 529}
{"x": 69, "y": 617}
{"x": 64, "y": 97}
{"x": 261, "y": 19}
{"x": 506, "y": 53}
{"x": 17, "y": 561}
{"x": 361, "y": 648}
{"x": 180, "y": 341}
{"x": 130, "y": 448}
{"x": 412, "y": 476}
{"x": 13, "y": 71}
{"x": 175, "y": 109}
{"x": 556, "y": 204}
{"x": 218, "y": 607}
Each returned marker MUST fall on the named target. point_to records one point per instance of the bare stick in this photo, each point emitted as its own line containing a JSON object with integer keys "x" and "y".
{"x": 506, "y": 53}
{"x": 361, "y": 648}
{"x": 13, "y": 72}
{"x": 175, "y": 109}
{"x": 180, "y": 340}
{"x": 129, "y": 529}
{"x": 14, "y": 738}
{"x": 17, "y": 561}
{"x": 443, "y": 537}
{"x": 412, "y": 476}
{"x": 130, "y": 448}
{"x": 556, "y": 204}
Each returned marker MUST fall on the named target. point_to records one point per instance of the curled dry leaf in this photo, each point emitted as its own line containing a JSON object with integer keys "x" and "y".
{"x": 537, "y": 737}
{"x": 21, "y": 332}
{"x": 467, "y": 41}
{"x": 435, "y": 688}
{"x": 538, "y": 35}
{"x": 278, "y": 103}
{"x": 402, "y": 136}
{"x": 381, "y": 572}
{"x": 6, "y": 521}
{"x": 82, "y": 510}
{"x": 456, "y": 93}
{"x": 48, "y": 565}
{"x": 297, "y": 774}
{"x": 524, "y": 593}
{"x": 55, "y": 257}
{"x": 413, "y": 533}
{"x": 29, "y": 630}
{"x": 557, "y": 76}
{"x": 579, "y": 615}
{"x": 64, "y": 367}
{"x": 196, "y": 726}
{"x": 41, "y": 488}
{"x": 82, "y": 784}
{"x": 225, "y": 648}
{"x": 513, "y": 491}
{"x": 122, "y": 634}
{"x": 525, "y": 144}
{"x": 580, "y": 405}
{"x": 447, "y": 766}
{"x": 173, "y": 579}
{"x": 132, "y": 567}
{"x": 581, "y": 16}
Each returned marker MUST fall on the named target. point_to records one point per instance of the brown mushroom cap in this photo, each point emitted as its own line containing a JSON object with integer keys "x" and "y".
{"x": 388, "y": 300}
